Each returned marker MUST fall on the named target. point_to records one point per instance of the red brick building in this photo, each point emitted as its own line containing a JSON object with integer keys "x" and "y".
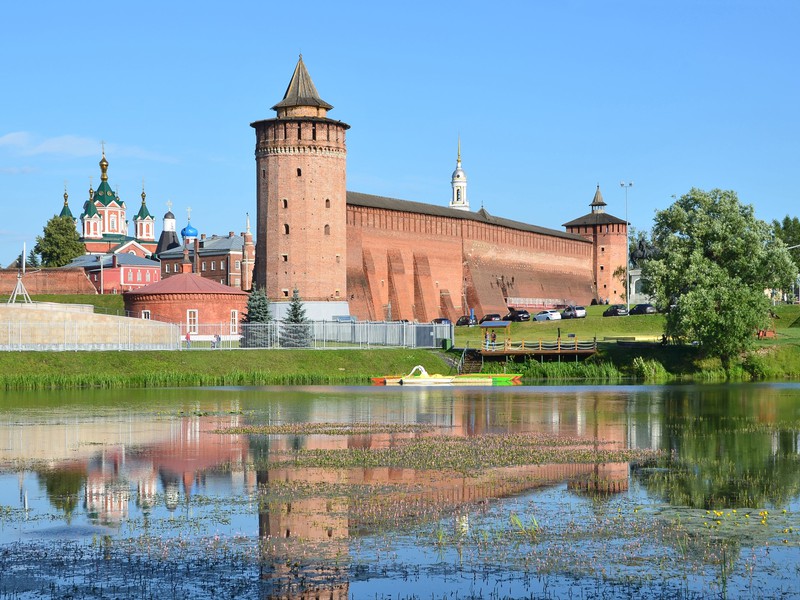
{"x": 117, "y": 273}
{"x": 376, "y": 257}
{"x": 188, "y": 299}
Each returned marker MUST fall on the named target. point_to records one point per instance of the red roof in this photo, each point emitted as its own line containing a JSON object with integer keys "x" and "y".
{"x": 186, "y": 283}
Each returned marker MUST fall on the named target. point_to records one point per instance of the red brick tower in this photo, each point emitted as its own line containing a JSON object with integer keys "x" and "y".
{"x": 301, "y": 197}
{"x": 609, "y": 236}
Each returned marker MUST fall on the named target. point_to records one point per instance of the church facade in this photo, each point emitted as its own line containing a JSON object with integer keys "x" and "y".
{"x": 383, "y": 258}
{"x": 103, "y": 223}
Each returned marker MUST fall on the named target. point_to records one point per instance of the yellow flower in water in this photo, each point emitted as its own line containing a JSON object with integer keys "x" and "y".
{"x": 734, "y": 511}
{"x": 719, "y": 522}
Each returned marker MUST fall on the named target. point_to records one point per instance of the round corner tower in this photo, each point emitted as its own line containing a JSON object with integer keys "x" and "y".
{"x": 301, "y": 199}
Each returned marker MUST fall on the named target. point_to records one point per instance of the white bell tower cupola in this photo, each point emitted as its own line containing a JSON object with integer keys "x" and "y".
{"x": 459, "y": 183}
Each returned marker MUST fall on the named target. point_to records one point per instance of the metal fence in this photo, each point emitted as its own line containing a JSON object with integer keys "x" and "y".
{"x": 84, "y": 334}
{"x": 141, "y": 334}
{"x": 317, "y": 335}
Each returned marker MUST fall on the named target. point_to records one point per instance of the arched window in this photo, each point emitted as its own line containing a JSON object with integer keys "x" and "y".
{"x": 286, "y": 228}
{"x": 285, "y": 203}
{"x": 327, "y": 229}
{"x": 299, "y": 131}
{"x": 299, "y": 172}
{"x": 327, "y": 202}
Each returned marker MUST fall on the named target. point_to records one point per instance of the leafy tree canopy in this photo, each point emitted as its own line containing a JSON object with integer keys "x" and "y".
{"x": 788, "y": 230}
{"x": 258, "y": 310}
{"x": 716, "y": 261}
{"x": 60, "y": 242}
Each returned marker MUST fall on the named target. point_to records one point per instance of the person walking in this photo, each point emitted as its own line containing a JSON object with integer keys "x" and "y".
{"x": 188, "y": 340}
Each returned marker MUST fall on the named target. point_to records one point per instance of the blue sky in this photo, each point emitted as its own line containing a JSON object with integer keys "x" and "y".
{"x": 549, "y": 98}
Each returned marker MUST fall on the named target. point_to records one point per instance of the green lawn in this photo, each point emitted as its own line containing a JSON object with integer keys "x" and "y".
{"x": 641, "y": 327}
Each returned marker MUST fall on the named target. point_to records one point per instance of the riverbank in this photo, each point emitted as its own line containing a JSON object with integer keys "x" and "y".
{"x": 71, "y": 370}
{"x": 644, "y": 363}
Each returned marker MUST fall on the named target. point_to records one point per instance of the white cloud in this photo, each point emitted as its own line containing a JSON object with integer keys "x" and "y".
{"x": 17, "y": 170}
{"x": 19, "y": 139}
{"x": 65, "y": 145}
{"x": 74, "y": 146}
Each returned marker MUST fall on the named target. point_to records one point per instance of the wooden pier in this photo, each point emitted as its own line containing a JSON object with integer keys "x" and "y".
{"x": 570, "y": 347}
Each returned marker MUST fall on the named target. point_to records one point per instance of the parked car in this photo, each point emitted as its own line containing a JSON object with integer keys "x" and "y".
{"x": 517, "y": 315}
{"x": 574, "y": 312}
{"x": 547, "y": 315}
{"x": 466, "y": 321}
{"x": 490, "y": 317}
{"x": 441, "y": 321}
{"x": 643, "y": 309}
{"x": 616, "y": 310}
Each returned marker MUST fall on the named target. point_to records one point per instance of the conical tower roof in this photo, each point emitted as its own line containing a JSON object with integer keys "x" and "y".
{"x": 143, "y": 212}
{"x": 301, "y": 90}
{"x": 65, "y": 211}
{"x": 597, "y": 201}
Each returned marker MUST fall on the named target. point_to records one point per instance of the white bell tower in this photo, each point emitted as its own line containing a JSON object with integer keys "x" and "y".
{"x": 459, "y": 183}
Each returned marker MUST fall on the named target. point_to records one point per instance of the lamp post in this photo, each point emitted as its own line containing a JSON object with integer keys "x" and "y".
{"x": 626, "y": 185}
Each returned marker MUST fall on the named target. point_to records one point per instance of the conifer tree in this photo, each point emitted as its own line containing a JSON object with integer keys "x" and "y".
{"x": 256, "y": 320}
{"x": 296, "y": 331}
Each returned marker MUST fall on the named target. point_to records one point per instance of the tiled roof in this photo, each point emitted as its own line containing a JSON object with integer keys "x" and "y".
{"x": 86, "y": 261}
{"x": 186, "y": 283}
{"x": 301, "y": 90}
{"x": 594, "y": 218}
{"x": 210, "y": 246}
{"x": 482, "y": 216}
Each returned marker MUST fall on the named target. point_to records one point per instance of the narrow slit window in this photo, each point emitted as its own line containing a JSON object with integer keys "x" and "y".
{"x": 299, "y": 172}
{"x": 286, "y": 228}
{"x": 327, "y": 230}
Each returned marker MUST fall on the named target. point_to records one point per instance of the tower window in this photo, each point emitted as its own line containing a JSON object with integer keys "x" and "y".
{"x": 313, "y": 131}
{"x": 285, "y": 133}
{"x": 299, "y": 131}
{"x": 285, "y": 203}
{"x": 327, "y": 229}
{"x": 327, "y": 202}
{"x": 286, "y": 228}
{"x": 285, "y": 257}
{"x": 285, "y": 293}
{"x": 602, "y": 268}
{"x": 263, "y": 173}
{"x": 299, "y": 172}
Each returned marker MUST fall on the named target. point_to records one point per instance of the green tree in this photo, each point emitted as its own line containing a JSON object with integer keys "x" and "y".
{"x": 296, "y": 332}
{"x": 60, "y": 242}
{"x": 256, "y": 320}
{"x": 716, "y": 261}
{"x": 33, "y": 259}
{"x": 788, "y": 231}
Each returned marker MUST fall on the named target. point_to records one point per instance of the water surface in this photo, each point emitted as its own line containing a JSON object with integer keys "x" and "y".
{"x": 136, "y": 493}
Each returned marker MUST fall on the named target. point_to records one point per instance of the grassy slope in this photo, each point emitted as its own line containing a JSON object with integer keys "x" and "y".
{"x": 251, "y": 367}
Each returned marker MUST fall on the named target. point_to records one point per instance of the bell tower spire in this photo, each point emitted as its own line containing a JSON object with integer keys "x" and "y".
{"x": 459, "y": 184}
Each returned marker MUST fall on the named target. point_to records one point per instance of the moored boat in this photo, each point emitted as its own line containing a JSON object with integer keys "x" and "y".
{"x": 420, "y": 377}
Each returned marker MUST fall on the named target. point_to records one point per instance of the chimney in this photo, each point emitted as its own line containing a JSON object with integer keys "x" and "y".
{"x": 186, "y": 266}
{"x": 196, "y": 256}
{"x": 230, "y": 234}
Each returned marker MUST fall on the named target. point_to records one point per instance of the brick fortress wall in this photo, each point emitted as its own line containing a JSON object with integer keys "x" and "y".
{"x": 48, "y": 281}
{"x": 423, "y": 266}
